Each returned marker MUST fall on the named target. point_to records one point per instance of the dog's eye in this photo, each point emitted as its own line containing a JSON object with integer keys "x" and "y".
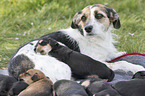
{"x": 98, "y": 16}
{"x": 83, "y": 18}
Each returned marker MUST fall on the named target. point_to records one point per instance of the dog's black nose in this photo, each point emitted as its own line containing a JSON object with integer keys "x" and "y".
{"x": 89, "y": 29}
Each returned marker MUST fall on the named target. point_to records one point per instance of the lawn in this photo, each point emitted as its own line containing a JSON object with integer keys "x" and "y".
{"x": 25, "y": 20}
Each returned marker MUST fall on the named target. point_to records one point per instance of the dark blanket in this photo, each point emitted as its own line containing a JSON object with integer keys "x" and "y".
{"x": 135, "y": 58}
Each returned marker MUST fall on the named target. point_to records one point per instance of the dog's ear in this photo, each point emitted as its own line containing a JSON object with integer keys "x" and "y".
{"x": 73, "y": 25}
{"x": 76, "y": 20}
{"x": 35, "y": 77}
{"x": 114, "y": 17}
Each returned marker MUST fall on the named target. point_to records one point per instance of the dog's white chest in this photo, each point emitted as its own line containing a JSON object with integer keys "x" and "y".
{"x": 95, "y": 47}
{"x": 92, "y": 49}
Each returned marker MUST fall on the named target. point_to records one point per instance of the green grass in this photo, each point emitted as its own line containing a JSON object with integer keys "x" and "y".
{"x": 25, "y": 20}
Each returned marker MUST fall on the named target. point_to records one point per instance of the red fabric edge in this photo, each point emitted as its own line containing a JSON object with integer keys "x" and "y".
{"x": 3, "y": 69}
{"x": 128, "y": 54}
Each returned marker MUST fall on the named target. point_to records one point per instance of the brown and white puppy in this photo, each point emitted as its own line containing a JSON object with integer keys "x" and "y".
{"x": 41, "y": 87}
{"x": 32, "y": 75}
{"x": 39, "y": 84}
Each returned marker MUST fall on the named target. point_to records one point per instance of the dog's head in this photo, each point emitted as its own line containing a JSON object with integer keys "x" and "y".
{"x": 94, "y": 19}
{"x": 32, "y": 75}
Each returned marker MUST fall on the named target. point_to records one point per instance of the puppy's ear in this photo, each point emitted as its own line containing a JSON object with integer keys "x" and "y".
{"x": 114, "y": 17}
{"x": 35, "y": 77}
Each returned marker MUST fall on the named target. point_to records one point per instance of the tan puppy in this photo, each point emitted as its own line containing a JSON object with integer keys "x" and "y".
{"x": 39, "y": 84}
{"x": 32, "y": 75}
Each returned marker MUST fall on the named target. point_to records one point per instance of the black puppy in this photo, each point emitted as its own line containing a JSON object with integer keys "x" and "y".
{"x": 81, "y": 65}
{"x": 134, "y": 87}
{"x": 69, "y": 88}
{"x": 139, "y": 75}
{"x": 17, "y": 88}
{"x": 98, "y": 87}
{"x": 6, "y": 83}
{"x": 19, "y": 65}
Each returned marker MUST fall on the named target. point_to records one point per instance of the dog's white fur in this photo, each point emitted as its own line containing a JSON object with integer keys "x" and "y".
{"x": 51, "y": 67}
{"x": 98, "y": 47}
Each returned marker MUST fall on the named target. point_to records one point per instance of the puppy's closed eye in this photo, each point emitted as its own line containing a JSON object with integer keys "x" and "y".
{"x": 42, "y": 43}
{"x": 35, "y": 77}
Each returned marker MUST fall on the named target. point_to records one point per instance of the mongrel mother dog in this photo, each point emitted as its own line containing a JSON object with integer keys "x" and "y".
{"x": 90, "y": 34}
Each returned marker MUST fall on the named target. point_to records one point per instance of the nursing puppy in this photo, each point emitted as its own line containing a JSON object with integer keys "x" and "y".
{"x": 134, "y": 87}
{"x": 39, "y": 85}
{"x": 6, "y": 83}
{"x": 32, "y": 75}
{"x": 68, "y": 88}
{"x": 42, "y": 87}
{"x": 98, "y": 87}
{"x": 90, "y": 34}
{"x": 80, "y": 64}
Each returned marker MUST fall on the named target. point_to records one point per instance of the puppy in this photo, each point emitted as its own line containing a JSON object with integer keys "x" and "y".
{"x": 21, "y": 64}
{"x": 139, "y": 75}
{"x": 68, "y": 88}
{"x": 32, "y": 75}
{"x": 17, "y": 88}
{"x": 80, "y": 64}
{"x": 98, "y": 87}
{"x": 6, "y": 83}
{"x": 90, "y": 34}
{"x": 134, "y": 87}
{"x": 39, "y": 85}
